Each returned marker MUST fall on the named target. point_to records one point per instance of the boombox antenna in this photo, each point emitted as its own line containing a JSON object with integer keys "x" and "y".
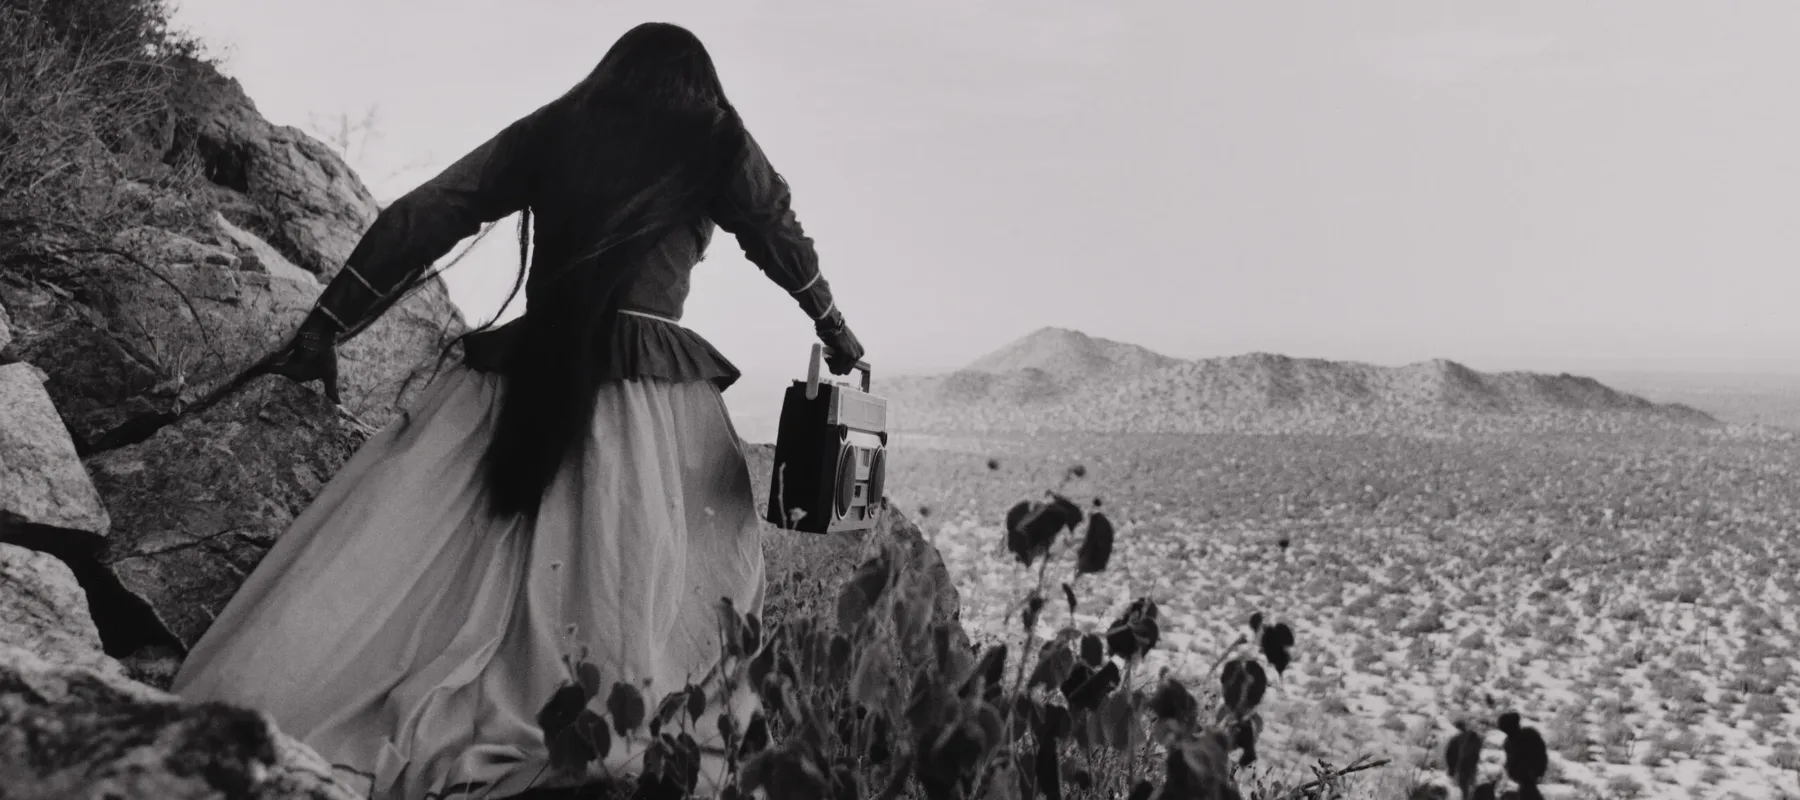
{"x": 812, "y": 372}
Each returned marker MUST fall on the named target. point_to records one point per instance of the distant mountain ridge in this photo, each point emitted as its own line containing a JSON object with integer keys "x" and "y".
{"x": 1056, "y": 379}
{"x": 1061, "y": 351}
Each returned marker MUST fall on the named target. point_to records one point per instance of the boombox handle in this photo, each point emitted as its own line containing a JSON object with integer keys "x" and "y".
{"x": 812, "y": 372}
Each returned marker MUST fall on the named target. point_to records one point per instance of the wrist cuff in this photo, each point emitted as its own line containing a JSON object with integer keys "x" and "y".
{"x": 816, "y": 299}
{"x": 831, "y": 322}
{"x": 809, "y": 284}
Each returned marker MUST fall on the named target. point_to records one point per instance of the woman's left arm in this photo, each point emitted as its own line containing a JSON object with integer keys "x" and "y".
{"x": 421, "y": 227}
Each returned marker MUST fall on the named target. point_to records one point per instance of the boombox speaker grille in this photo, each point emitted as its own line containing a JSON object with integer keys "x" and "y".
{"x": 845, "y": 494}
{"x": 877, "y": 476}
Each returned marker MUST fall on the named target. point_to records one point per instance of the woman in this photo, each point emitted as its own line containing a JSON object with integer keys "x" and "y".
{"x": 575, "y": 483}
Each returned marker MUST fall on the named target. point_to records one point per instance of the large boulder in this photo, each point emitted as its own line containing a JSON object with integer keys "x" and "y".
{"x": 5, "y": 335}
{"x": 256, "y": 255}
{"x": 44, "y": 491}
{"x": 44, "y": 611}
{"x": 805, "y": 571}
{"x": 162, "y": 246}
{"x": 131, "y": 328}
{"x": 73, "y": 725}
{"x": 48, "y": 503}
{"x": 126, "y": 345}
{"x": 286, "y": 187}
{"x": 195, "y": 507}
{"x": 68, "y": 731}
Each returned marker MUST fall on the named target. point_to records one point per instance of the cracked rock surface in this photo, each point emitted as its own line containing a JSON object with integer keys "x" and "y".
{"x": 126, "y": 342}
{"x": 73, "y": 725}
{"x": 42, "y": 485}
{"x": 44, "y": 610}
{"x": 72, "y": 732}
{"x": 129, "y": 515}
{"x": 196, "y": 506}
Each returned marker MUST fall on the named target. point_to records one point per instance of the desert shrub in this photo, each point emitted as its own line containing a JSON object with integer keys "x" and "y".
{"x": 1430, "y": 621}
{"x": 1765, "y": 705}
{"x": 87, "y": 91}
{"x": 1526, "y": 764}
{"x": 1574, "y": 746}
{"x": 1657, "y": 750}
{"x": 129, "y": 27}
{"x": 1625, "y": 786}
{"x": 879, "y": 701}
{"x": 1686, "y": 712}
{"x": 1785, "y": 755}
{"x": 1629, "y": 612}
{"x": 1686, "y": 742}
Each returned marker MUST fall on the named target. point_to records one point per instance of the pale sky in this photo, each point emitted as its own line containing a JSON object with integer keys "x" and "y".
{"x": 1523, "y": 185}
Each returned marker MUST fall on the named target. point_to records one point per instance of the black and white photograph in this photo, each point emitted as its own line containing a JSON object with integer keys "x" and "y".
{"x": 927, "y": 400}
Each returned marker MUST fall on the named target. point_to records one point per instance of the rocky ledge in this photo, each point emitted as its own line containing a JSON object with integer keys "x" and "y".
{"x": 127, "y": 521}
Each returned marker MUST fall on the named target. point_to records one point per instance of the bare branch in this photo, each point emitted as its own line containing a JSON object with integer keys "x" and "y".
{"x": 199, "y": 324}
{"x": 1300, "y": 791}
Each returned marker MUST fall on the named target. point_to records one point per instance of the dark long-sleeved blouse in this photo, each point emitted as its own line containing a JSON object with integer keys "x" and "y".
{"x": 646, "y": 340}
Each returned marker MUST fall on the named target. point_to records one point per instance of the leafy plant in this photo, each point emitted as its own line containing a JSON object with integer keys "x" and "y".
{"x": 879, "y": 700}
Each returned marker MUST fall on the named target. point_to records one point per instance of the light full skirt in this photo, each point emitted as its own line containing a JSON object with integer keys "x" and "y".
{"x": 411, "y": 639}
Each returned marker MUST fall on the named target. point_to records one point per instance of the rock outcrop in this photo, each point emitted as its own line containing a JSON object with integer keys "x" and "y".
{"x": 278, "y": 183}
{"x": 43, "y": 611}
{"x": 5, "y": 335}
{"x": 130, "y": 335}
{"x": 44, "y": 490}
{"x": 805, "y": 570}
{"x": 73, "y": 725}
{"x": 129, "y": 517}
{"x": 256, "y": 255}
{"x": 127, "y": 344}
{"x": 75, "y": 732}
{"x": 197, "y": 505}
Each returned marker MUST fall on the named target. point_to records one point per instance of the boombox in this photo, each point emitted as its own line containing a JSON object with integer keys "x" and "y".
{"x": 830, "y": 455}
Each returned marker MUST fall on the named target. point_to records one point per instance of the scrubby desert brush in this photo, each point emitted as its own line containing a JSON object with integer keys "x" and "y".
{"x": 1571, "y": 480}
{"x": 87, "y": 90}
{"x": 1520, "y": 582}
{"x": 130, "y": 27}
{"x": 1525, "y": 767}
{"x": 881, "y": 702}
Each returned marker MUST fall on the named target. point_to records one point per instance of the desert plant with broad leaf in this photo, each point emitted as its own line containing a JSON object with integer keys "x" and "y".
{"x": 876, "y": 699}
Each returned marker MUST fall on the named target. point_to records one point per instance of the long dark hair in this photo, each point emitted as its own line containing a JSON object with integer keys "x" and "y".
{"x": 633, "y": 152}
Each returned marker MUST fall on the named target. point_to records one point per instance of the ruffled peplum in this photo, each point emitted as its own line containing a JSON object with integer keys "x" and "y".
{"x": 639, "y": 349}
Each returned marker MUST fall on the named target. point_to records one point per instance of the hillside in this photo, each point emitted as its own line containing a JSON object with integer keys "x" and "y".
{"x": 1764, "y": 399}
{"x": 1632, "y": 597}
{"x": 158, "y": 235}
{"x": 1061, "y": 380}
{"x": 1061, "y": 351}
